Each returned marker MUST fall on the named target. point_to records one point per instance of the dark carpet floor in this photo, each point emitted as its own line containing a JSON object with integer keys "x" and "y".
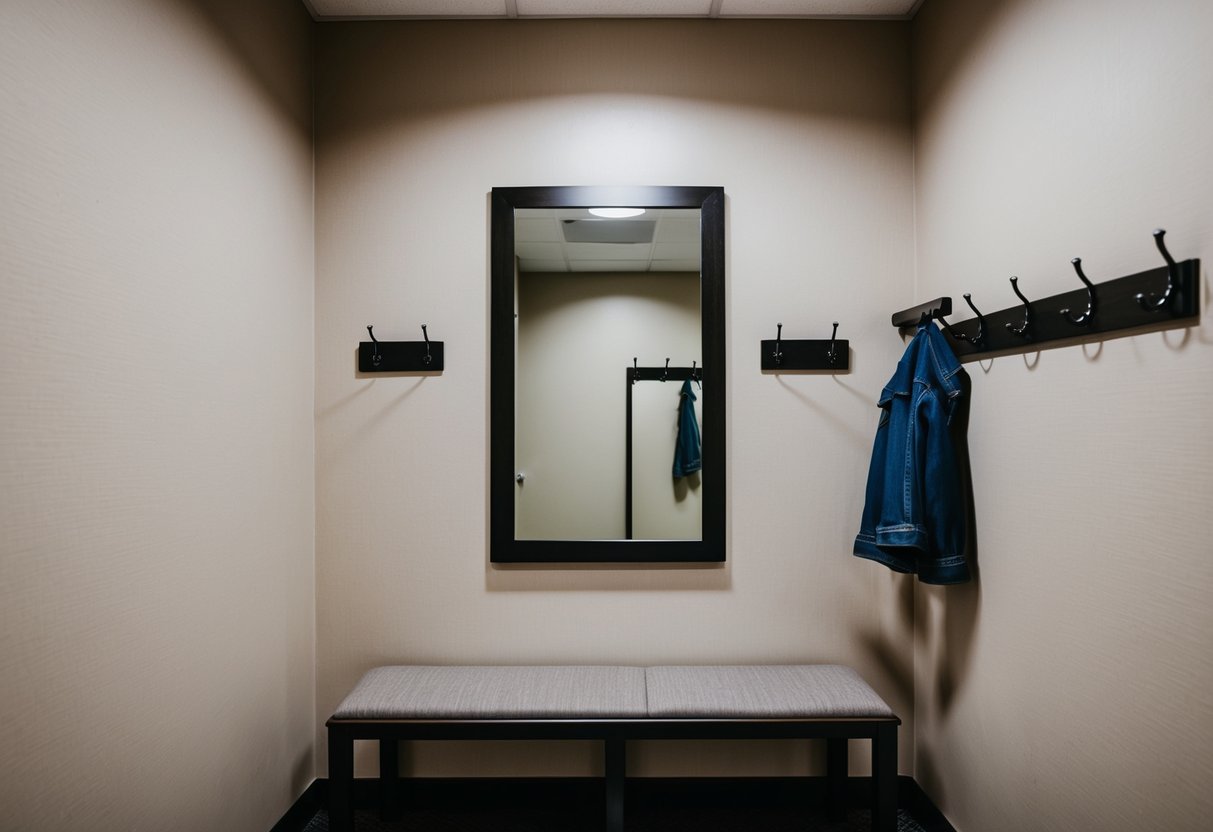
{"x": 712, "y": 820}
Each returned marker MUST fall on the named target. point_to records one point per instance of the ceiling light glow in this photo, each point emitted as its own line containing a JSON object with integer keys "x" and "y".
{"x": 616, "y": 213}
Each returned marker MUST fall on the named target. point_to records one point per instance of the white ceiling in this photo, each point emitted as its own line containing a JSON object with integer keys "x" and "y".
{"x": 540, "y": 245}
{"x": 391, "y": 9}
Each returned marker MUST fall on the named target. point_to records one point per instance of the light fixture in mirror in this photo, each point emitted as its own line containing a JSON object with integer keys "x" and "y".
{"x": 607, "y": 364}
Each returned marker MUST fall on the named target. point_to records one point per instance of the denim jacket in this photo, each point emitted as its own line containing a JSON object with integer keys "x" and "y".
{"x": 915, "y": 510}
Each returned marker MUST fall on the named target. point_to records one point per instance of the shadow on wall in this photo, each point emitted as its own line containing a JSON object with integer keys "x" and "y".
{"x": 947, "y": 64}
{"x": 252, "y": 34}
{"x": 485, "y": 63}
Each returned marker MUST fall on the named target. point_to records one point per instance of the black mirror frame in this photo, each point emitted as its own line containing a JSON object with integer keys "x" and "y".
{"x": 503, "y": 548}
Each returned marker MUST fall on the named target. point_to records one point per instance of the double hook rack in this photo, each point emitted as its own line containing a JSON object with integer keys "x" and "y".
{"x": 1126, "y": 303}
{"x": 830, "y": 354}
{"x": 375, "y": 356}
{"x": 667, "y": 373}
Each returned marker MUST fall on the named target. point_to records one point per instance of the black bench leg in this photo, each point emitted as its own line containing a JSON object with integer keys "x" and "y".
{"x": 884, "y": 779}
{"x": 836, "y": 776}
{"x": 341, "y": 781}
{"x": 389, "y": 784}
{"x": 616, "y": 769}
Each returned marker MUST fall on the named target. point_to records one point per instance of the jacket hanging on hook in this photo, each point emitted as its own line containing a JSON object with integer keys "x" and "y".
{"x": 914, "y": 516}
{"x": 688, "y": 457}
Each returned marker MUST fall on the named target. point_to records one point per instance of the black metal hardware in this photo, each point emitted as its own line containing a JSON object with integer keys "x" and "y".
{"x": 695, "y": 375}
{"x": 1126, "y": 305}
{"x": 666, "y": 372}
{"x": 1151, "y": 301}
{"x": 1022, "y": 329}
{"x": 977, "y": 338}
{"x": 635, "y": 371}
{"x": 377, "y": 356}
{"x": 830, "y": 354}
{"x": 931, "y": 310}
{"x": 1086, "y": 317}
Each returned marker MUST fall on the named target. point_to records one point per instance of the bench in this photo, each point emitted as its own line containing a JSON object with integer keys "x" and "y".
{"x": 614, "y": 704}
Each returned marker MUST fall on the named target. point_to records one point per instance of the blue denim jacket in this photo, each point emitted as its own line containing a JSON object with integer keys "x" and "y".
{"x": 915, "y": 513}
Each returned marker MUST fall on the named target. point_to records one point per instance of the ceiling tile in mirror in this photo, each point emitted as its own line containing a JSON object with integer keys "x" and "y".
{"x": 608, "y": 251}
{"x": 539, "y": 251}
{"x": 679, "y": 230}
{"x": 676, "y": 251}
{"x": 687, "y": 265}
{"x": 537, "y": 230}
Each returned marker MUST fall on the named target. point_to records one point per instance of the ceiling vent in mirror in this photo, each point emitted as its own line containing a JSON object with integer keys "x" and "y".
{"x": 609, "y": 231}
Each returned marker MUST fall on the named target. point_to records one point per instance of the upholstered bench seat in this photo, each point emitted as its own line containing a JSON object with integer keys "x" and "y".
{"x": 480, "y": 692}
{"x": 614, "y": 704}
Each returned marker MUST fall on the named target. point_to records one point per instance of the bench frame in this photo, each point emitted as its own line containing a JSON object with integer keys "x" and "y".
{"x": 614, "y": 733}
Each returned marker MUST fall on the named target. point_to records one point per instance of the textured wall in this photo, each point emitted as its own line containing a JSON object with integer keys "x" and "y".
{"x": 156, "y": 374}
{"x": 1072, "y": 688}
{"x": 807, "y": 127}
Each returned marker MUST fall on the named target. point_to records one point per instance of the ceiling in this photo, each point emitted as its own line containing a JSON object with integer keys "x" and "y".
{"x": 506, "y": 9}
{"x": 545, "y": 240}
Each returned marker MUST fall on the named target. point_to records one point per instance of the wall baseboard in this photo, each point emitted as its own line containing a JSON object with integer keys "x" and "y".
{"x": 481, "y": 792}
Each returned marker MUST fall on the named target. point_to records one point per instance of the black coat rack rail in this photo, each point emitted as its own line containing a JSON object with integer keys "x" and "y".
{"x": 375, "y": 356}
{"x": 1161, "y": 298}
{"x": 666, "y": 373}
{"x": 831, "y": 354}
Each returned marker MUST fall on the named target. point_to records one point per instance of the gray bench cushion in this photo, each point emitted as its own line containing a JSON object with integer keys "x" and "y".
{"x": 761, "y": 692}
{"x": 475, "y": 692}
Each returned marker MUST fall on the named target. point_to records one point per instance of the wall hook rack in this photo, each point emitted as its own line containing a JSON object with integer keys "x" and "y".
{"x": 831, "y": 354}
{"x": 1164, "y": 297}
{"x": 377, "y": 356}
{"x": 1022, "y": 329}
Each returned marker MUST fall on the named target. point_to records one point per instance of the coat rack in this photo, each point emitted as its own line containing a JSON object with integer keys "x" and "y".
{"x": 375, "y": 356}
{"x": 1159, "y": 298}
{"x": 666, "y": 373}
{"x": 829, "y": 354}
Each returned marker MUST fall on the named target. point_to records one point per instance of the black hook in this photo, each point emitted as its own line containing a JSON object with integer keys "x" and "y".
{"x": 635, "y": 371}
{"x": 981, "y": 325}
{"x": 1086, "y": 317}
{"x": 1153, "y": 302}
{"x": 832, "y": 354}
{"x": 666, "y": 372}
{"x": 695, "y": 375}
{"x": 428, "y": 358}
{"x": 1022, "y": 329}
{"x": 778, "y": 355}
{"x": 375, "y": 356}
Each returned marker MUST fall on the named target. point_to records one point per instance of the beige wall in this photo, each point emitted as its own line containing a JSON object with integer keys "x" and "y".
{"x": 156, "y": 373}
{"x": 576, "y": 335}
{"x": 1072, "y": 688}
{"x": 806, "y": 126}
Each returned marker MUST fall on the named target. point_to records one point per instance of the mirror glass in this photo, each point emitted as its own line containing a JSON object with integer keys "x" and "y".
{"x": 594, "y": 443}
{"x": 607, "y": 375}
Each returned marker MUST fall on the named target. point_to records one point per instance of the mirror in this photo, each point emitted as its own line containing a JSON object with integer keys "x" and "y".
{"x": 601, "y": 449}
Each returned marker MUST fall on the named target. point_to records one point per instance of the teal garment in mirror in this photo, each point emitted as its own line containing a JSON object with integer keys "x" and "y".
{"x": 687, "y": 456}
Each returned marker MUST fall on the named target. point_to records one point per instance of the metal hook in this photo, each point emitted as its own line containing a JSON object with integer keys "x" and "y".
{"x": 778, "y": 354}
{"x": 428, "y": 358}
{"x": 981, "y": 325}
{"x": 832, "y": 354}
{"x": 635, "y": 371}
{"x": 1022, "y": 329}
{"x": 375, "y": 356}
{"x": 1153, "y": 302}
{"x": 1086, "y": 317}
{"x": 666, "y": 372}
{"x": 695, "y": 375}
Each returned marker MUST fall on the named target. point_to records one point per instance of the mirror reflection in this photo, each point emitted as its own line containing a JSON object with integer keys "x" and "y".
{"x": 608, "y": 396}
